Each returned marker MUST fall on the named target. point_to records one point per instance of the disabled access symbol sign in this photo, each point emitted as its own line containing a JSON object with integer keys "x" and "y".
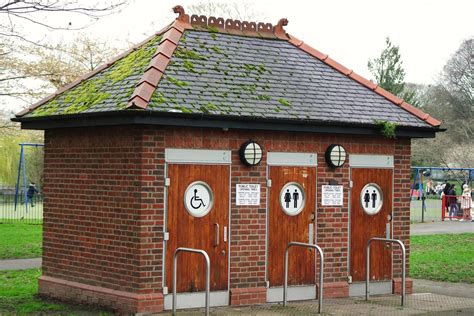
{"x": 198, "y": 199}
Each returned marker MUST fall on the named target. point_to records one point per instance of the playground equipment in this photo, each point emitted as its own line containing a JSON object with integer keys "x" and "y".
{"x": 417, "y": 189}
{"x": 22, "y": 167}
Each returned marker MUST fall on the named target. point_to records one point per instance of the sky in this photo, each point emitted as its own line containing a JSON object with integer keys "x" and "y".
{"x": 428, "y": 32}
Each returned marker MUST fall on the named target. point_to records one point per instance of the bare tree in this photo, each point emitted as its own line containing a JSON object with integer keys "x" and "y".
{"x": 37, "y": 70}
{"x": 64, "y": 62}
{"x": 452, "y": 101}
{"x": 29, "y": 66}
{"x": 20, "y": 12}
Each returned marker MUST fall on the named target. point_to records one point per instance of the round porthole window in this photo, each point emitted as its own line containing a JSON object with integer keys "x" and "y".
{"x": 198, "y": 199}
{"x": 371, "y": 198}
{"x": 292, "y": 198}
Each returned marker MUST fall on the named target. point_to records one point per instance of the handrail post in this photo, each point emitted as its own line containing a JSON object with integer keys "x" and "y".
{"x": 208, "y": 275}
{"x": 367, "y": 267}
{"x": 367, "y": 271}
{"x": 402, "y": 246}
{"x": 321, "y": 272}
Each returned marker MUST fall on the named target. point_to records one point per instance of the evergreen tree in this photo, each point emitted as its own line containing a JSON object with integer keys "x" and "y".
{"x": 388, "y": 72}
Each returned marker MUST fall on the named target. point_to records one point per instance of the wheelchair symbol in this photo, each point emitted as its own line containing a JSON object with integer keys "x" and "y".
{"x": 195, "y": 199}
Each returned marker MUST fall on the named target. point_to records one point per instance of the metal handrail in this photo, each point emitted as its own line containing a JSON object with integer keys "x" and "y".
{"x": 208, "y": 275}
{"x": 367, "y": 268}
{"x": 321, "y": 270}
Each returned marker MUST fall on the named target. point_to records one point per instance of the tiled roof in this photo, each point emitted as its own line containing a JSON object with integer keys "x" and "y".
{"x": 200, "y": 66}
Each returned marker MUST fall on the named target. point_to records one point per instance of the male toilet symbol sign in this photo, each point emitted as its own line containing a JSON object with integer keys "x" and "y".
{"x": 198, "y": 199}
{"x": 371, "y": 198}
{"x": 292, "y": 198}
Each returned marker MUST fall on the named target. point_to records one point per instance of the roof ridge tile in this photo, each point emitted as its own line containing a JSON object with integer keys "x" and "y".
{"x": 150, "y": 79}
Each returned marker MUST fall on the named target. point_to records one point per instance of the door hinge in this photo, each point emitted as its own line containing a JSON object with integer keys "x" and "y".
{"x": 269, "y": 183}
{"x": 267, "y": 284}
{"x": 167, "y": 182}
{"x": 166, "y": 236}
{"x": 349, "y": 279}
{"x": 165, "y": 290}
{"x": 351, "y": 184}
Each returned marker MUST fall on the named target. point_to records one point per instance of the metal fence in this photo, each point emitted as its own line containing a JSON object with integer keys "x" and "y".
{"x": 30, "y": 212}
{"x": 430, "y": 213}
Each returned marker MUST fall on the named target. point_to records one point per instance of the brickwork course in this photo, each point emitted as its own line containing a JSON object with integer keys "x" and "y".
{"x": 203, "y": 83}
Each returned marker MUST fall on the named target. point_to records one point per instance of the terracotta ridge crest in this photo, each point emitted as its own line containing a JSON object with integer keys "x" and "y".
{"x": 231, "y": 26}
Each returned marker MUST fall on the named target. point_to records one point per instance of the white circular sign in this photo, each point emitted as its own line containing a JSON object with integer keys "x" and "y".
{"x": 292, "y": 198}
{"x": 371, "y": 198}
{"x": 198, "y": 199}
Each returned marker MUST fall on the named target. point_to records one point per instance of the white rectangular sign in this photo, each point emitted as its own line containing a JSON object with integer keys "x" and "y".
{"x": 247, "y": 194}
{"x": 332, "y": 195}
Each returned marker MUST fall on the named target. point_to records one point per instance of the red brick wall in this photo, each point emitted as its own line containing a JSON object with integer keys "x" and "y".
{"x": 91, "y": 214}
{"x": 105, "y": 201}
{"x": 401, "y": 204}
{"x": 248, "y": 243}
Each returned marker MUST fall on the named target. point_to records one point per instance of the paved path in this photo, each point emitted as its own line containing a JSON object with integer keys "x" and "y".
{"x": 417, "y": 304}
{"x": 445, "y": 288}
{"x": 20, "y": 264}
{"x": 446, "y": 227}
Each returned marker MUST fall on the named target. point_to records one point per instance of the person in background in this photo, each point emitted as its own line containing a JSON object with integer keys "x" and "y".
{"x": 466, "y": 203}
{"x": 429, "y": 187}
{"x": 453, "y": 204}
{"x": 30, "y": 194}
{"x": 444, "y": 196}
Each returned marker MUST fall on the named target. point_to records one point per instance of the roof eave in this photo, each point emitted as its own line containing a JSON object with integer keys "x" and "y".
{"x": 140, "y": 117}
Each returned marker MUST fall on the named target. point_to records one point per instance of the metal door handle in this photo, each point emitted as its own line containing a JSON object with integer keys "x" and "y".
{"x": 216, "y": 236}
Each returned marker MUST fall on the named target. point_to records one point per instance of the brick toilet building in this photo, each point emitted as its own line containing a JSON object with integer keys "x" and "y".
{"x": 161, "y": 147}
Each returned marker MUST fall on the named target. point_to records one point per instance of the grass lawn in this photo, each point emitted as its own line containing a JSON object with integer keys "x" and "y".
{"x": 18, "y": 296}
{"x": 447, "y": 257}
{"x": 20, "y": 241}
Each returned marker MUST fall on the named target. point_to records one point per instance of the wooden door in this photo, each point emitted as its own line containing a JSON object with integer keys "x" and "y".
{"x": 284, "y": 228}
{"x": 205, "y": 232}
{"x": 365, "y": 226}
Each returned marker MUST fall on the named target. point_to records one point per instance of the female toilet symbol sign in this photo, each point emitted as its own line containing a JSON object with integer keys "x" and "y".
{"x": 371, "y": 198}
{"x": 292, "y": 198}
{"x": 198, "y": 199}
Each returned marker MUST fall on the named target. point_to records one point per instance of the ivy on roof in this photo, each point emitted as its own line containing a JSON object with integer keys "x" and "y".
{"x": 110, "y": 88}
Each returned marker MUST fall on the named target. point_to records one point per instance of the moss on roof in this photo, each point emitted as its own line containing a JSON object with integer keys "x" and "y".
{"x": 108, "y": 90}
{"x": 223, "y": 74}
